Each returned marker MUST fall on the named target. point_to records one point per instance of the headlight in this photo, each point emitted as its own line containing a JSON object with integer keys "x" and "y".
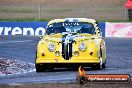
{"x": 82, "y": 47}
{"x": 51, "y": 47}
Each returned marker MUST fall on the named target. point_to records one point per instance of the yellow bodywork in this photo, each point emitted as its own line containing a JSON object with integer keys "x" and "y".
{"x": 83, "y": 57}
{"x": 93, "y": 44}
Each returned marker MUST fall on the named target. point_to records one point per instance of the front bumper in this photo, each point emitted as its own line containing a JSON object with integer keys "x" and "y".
{"x": 59, "y": 61}
{"x": 62, "y": 63}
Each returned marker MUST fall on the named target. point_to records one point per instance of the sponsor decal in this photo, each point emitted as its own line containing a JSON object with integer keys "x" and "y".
{"x": 118, "y": 30}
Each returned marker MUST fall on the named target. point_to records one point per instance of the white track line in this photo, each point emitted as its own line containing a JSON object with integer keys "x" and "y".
{"x": 15, "y": 41}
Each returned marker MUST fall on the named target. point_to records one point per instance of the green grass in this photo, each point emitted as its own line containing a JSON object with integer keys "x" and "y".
{"x": 51, "y": 18}
{"x": 114, "y": 20}
{"x": 48, "y": 19}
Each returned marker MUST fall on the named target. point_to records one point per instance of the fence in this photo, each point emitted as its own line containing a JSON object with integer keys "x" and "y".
{"x": 128, "y": 14}
{"x": 43, "y": 12}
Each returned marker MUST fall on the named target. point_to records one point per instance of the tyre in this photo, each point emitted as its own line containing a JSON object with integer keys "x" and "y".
{"x": 100, "y": 65}
{"x": 40, "y": 68}
{"x": 104, "y": 65}
{"x": 37, "y": 68}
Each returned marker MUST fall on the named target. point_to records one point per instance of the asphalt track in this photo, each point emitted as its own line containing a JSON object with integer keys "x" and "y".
{"x": 23, "y": 48}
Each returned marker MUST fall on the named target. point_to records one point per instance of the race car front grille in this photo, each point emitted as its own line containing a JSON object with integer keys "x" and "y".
{"x": 67, "y": 50}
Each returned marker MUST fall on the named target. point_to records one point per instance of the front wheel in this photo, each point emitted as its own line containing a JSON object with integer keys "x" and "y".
{"x": 40, "y": 68}
{"x": 100, "y": 65}
{"x": 104, "y": 65}
{"x": 37, "y": 68}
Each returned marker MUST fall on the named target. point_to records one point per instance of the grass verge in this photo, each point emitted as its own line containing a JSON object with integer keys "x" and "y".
{"x": 48, "y": 19}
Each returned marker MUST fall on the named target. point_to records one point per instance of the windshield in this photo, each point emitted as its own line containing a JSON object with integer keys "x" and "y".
{"x": 72, "y": 27}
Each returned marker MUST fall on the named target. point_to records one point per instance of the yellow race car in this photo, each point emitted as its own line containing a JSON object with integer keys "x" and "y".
{"x": 71, "y": 42}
